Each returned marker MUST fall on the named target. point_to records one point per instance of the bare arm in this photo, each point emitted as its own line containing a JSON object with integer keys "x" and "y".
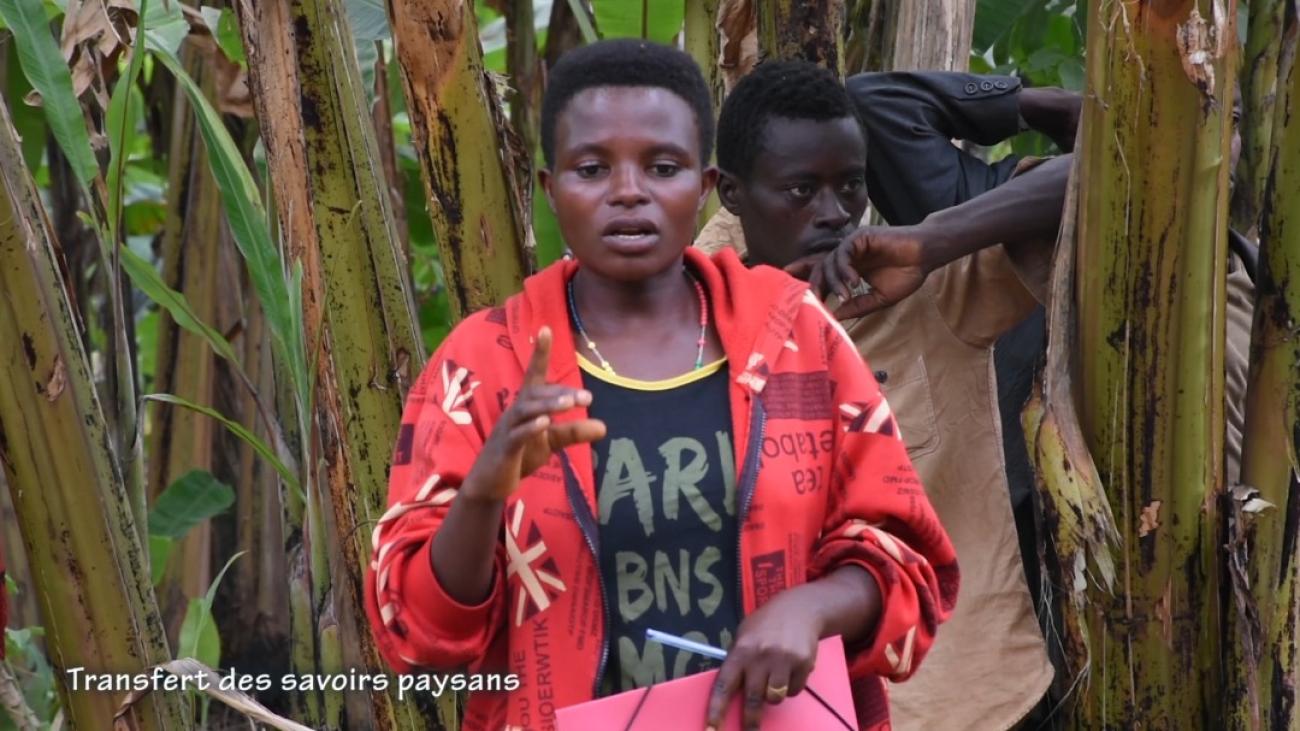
{"x": 1024, "y": 212}
{"x": 1054, "y": 112}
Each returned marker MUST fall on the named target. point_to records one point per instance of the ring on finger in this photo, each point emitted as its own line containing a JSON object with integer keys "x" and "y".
{"x": 776, "y": 694}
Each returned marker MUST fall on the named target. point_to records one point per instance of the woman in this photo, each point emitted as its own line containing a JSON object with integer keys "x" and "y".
{"x": 646, "y": 438}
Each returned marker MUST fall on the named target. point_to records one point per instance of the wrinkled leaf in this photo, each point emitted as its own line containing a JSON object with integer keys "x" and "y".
{"x": 49, "y": 75}
{"x": 189, "y": 500}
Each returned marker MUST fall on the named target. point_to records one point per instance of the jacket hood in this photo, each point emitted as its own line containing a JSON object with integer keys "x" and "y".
{"x": 753, "y": 308}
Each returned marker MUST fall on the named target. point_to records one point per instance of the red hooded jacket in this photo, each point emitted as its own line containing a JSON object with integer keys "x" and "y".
{"x": 823, "y": 481}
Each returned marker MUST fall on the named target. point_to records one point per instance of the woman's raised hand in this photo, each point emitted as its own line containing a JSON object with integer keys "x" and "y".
{"x": 526, "y": 435}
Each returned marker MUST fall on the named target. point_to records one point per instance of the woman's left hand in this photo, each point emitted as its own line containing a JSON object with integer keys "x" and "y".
{"x": 771, "y": 658}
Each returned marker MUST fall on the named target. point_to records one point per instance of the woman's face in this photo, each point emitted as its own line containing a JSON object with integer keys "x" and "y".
{"x": 628, "y": 183}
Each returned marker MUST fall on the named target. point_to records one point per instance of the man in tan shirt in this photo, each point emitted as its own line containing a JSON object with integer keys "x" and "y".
{"x": 794, "y": 166}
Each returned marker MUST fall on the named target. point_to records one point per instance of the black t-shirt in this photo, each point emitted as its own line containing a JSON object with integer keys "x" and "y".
{"x": 666, "y": 490}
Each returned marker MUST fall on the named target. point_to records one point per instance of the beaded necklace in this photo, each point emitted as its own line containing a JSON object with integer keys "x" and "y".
{"x": 591, "y": 344}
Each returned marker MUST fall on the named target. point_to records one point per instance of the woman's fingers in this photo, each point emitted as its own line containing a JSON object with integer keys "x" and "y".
{"x": 541, "y": 359}
{"x": 520, "y": 434}
{"x": 799, "y": 678}
{"x": 546, "y": 390}
{"x": 754, "y": 696}
{"x": 730, "y": 675}
{"x": 551, "y": 400}
{"x": 583, "y": 431}
{"x": 751, "y": 680}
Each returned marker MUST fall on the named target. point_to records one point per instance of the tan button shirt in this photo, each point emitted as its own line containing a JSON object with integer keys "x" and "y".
{"x": 989, "y": 664}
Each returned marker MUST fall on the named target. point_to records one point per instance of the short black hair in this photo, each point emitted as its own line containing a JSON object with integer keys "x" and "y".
{"x": 626, "y": 62}
{"x": 787, "y": 89}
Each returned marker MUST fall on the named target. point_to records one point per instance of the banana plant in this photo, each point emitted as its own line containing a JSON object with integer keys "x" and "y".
{"x": 1150, "y": 289}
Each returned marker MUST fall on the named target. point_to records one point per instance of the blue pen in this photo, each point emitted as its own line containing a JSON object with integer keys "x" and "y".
{"x": 681, "y": 643}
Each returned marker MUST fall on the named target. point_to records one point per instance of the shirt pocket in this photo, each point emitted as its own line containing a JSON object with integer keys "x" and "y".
{"x": 908, "y": 392}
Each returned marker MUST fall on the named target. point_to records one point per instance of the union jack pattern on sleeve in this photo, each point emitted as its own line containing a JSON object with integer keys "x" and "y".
{"x": 870, "y": 417}
{"x": 458, "y": 387}
{"x": 537, "y": 573}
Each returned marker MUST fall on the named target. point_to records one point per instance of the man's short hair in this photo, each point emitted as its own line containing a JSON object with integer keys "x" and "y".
{"x": 626, "y": 62}
{"x": 787, "y": 89}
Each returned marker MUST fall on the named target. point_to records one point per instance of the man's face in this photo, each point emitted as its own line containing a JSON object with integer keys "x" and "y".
{"x": 807, "y": 189}
{"x": 628, "y": 182}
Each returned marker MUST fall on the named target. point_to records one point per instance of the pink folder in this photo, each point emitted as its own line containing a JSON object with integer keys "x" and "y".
{"x": 683, "y": 703}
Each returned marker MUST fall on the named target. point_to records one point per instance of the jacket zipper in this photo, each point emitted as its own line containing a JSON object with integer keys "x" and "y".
{"x": 604, "y": 631}
{"x": 586, "y": 524}
{"x": 749, "y": 476}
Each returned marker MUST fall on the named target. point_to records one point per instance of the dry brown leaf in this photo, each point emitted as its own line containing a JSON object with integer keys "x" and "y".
{"x": 738, "y": 29}
{"x": 95, "y": 33}
{"x": 1199, "y": 46}
{"x": 198, "y": 24}
{"x": 1150, "y": 519}
{"x": 232, "y": 93}
{"x": 241, "y": 702}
